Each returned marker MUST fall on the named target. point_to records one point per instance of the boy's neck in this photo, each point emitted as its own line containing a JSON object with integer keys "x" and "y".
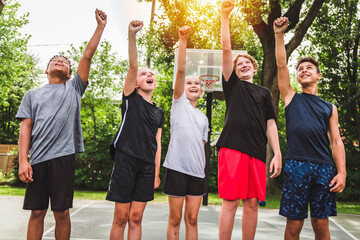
{"x": 145, "y": 95}
{"x": 311, "y": 89}
{"x": 193, "y": 103}
{"x": 56, "y": 80}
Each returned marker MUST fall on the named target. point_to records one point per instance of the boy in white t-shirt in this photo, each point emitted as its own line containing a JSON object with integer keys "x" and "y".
{"x": 185, "y": 159}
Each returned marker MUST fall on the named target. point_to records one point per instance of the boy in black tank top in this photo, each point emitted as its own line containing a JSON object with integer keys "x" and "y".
{"x": 136, "y": 148}
{"x": 310, "y": 121}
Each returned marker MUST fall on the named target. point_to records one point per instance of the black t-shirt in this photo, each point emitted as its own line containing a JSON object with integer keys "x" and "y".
{"x": 248, "y": 107}
{"x": 137, "y": 133}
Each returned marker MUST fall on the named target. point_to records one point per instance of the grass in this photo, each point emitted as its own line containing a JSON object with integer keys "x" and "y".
{"x": 272, "y": 198}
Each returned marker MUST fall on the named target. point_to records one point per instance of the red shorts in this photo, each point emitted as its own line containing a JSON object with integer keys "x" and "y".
{"x": 240, "y": 176}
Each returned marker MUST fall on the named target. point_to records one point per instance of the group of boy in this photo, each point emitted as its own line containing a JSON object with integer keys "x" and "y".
{"x": 51, "y": 129}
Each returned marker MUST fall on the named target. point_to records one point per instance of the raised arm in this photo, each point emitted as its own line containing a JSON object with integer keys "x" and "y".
{"x": 130, "y": 81}
{"x": 226, "y": 7}
{"x": 338, "y": 153}
{"x": 286, "y": 90}
{"x": 25, "y": 169}
{"x": 85, "y": 61}
{"x": 180, "y": 74}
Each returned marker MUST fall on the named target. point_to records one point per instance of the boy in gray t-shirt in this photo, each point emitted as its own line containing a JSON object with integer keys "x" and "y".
{"x": 51, "y": 132}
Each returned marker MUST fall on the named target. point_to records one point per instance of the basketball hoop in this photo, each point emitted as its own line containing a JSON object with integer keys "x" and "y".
{"x": 208, "y": 82}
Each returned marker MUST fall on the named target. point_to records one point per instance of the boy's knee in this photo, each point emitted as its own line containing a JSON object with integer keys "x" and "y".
{"x": 121, "y": 220}
{"x": 175, "y": 220}
{"x": 136, "y": 218}
{"x": 191, "y": 220}
{"x": 320, "y": 226}
{"x": 38, "y": 214}
{"x": 61, "y": 215}
{"x": 230, "y": 205}
{"x": 293, "y": 227}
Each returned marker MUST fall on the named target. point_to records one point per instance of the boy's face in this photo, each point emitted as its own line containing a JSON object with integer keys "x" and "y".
{"x": 192, "y": 88}
{"x": 244, "y": 68}
{"x": 307, "y": 74}
{"x": 60, "y": 65}
{"x": 146, "y": 80}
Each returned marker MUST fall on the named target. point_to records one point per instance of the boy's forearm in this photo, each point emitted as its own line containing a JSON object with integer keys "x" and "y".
{"x": 273, "y": 137}
{"x": 225, "y": 32}
{"x": 94, "y": 42}
{"x": 280, "y": 50}
{"x": 182, "y": 56}
{"x": 338, "y": 152}
{"x": 133, "y": 63}
{"x": 24, "y": 142}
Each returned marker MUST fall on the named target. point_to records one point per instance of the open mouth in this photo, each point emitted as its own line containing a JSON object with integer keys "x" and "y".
{"x": 149, "y": 81}
{"x": 244, "y": 70}
{"x": 193, "y": 91}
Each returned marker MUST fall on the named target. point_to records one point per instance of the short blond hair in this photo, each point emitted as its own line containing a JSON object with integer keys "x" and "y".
{"x": 251, "y": 58}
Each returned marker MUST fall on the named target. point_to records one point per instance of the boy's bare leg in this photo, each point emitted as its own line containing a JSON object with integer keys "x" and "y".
{"x": 227, "y": 216}
{"x": 192, "y": 206}
{"x": 135, "y": 218}
{"x": 321, "y": 228}
{"x": 62, "y": 225}
{"x": 293, "y": 229}
{"x": 36, "y": 224}
{"x": 175, "y": 213}
{"x": 121, "y": 217}
{"x": 249, "y": 218}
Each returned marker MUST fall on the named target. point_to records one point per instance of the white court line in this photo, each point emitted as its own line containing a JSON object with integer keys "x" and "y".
{"x": 344, "y": 230}
{"x": 53, "y": 227}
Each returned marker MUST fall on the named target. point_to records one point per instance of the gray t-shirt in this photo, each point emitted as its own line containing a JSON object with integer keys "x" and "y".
{"x": 56, "y": 125}
{"x": 189, "y": 132}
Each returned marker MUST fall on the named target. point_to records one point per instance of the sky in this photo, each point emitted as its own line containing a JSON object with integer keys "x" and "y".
{"x": 54, "y": 25}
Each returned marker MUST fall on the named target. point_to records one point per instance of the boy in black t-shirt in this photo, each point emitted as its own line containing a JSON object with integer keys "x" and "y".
{"x": 136, "y": 147}
{"x": 249, "y": 120}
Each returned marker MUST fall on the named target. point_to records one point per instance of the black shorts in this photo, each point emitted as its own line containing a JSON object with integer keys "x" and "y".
{"x": 131, "y": 179}
{"x": 55, "y": 179}
{"x": 179, "y": 184}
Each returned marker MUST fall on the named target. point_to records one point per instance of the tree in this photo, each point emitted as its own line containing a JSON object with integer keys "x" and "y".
{"x": 335, "y": 38}
{"x": 100, "y": 115}
{"x": 18, "y": 71}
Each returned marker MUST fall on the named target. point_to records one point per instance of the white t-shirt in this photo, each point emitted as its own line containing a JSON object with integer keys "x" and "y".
{"x": 189, "y": 132}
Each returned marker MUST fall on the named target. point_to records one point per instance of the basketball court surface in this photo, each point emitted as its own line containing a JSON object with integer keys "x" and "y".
{"x": 92, "y": 220}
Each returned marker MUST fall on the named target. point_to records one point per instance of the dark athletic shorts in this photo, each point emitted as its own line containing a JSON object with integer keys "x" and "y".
{"x": 179, "y": 184}
{"x": 131, "y": 179}
{"x": 304, "y": 183}
{"x": 55, "y": 179}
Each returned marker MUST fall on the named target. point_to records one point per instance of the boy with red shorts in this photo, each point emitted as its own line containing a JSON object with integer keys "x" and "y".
{"x": 249, "y": 120}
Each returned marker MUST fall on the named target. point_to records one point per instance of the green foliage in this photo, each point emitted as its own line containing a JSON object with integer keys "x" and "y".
{"x": 18, "y": 72}
{"x": 334, "y": 41}
{"x": 100, "y": 116}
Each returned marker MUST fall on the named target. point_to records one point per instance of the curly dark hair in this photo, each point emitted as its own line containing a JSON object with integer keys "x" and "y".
{"x": 310, "y": 60}
{"x": 68, "y": 61}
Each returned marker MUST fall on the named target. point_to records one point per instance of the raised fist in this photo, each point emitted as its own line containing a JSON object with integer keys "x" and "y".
{"x": 135, "y": 26}
{"x": 227, "y": 6}
{"x": 184, "y": 32}
{"x": 280, "y": 25}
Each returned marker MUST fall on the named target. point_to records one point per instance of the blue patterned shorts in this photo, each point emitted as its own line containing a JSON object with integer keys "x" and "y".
{"x": 307, "y": 182}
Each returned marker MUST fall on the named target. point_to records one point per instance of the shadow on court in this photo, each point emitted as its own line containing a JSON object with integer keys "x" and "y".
{"x": 92, "y": 220}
